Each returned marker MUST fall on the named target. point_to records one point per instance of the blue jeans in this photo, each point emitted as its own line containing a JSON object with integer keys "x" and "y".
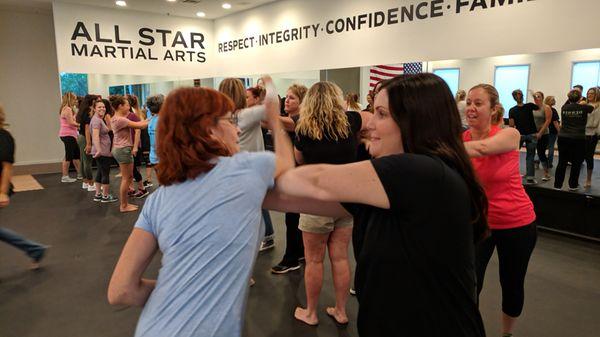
{"x": 530, "y": 144}
{"x": 33, "y": 249}
{"x": 268, "y": 223}
{"x": 551, "y": 143}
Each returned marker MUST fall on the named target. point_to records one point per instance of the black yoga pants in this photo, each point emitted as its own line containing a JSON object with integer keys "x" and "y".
{"x": 514, "y": 246}
{"x": 71, "y": 148}
{"x": 103, "y": 172}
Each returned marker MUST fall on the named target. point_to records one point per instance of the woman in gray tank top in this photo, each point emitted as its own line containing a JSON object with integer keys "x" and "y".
{"x": 542, "y": 118}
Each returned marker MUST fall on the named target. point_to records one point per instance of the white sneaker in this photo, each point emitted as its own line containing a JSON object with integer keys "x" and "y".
{"x": 67, "y": 179}
{"x": 85, "y": 186}
{"x": 91, "y": 188}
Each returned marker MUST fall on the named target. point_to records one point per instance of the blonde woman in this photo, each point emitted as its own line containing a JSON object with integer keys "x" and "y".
{"x": 68, "y": 134}
{"x": 326, "y": 134}
{"x": 592, "y": 128}
{"x": 553, "y": 129}
{"x": 461, "y": 104}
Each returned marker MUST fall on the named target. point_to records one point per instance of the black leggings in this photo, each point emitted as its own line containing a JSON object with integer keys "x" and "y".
{"x": 103, "y": 172}
{"x": 137, "y": 162}
{"x": 569, "y": 150}
{"x": 542, "y": 147}
{"x": 514, "y": 250}
{"x": 590, "y": 149}
{"x": 294, "y": 248}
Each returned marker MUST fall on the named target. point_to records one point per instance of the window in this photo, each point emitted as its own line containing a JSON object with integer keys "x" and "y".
{"x": 76, "y": 83}
{"x": 509, "y": 78}
{"x": 451, "y": 76}
{"x": 586, "y": 74}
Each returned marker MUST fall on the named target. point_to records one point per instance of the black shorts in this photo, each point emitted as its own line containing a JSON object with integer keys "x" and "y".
{"x": 71, "y": 148}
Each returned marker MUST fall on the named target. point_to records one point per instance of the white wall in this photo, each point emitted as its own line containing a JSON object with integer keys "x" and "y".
{"x": 29, "y": 84}
{"x": 548, "y": 72}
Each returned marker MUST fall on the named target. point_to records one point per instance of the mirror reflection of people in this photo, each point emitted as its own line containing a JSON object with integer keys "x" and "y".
{"x": 592, "y": 130}
{"x": 205, "y": 219}
{"x": 35, "y": 251}
{"x": 511, "y": 217}
{"x": 460, "y": 98}
{"x": 415, "y": 272}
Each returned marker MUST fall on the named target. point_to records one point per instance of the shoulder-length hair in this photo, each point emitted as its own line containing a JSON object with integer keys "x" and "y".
{"x": 425, "y": 111}
{"x": 68, "y": 100}
{"x": 85, "y": 107}
{"x": 185, "y": 145}
{"x": 322, "y": 114}
{"x": 234, "y": 89}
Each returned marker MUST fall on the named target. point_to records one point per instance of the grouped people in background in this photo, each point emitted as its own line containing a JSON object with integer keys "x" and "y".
{"x": 154, "y": 104}
{"x": 461, "y": 104}
{"x": 553, "y": 129}
{"x": 135, "y": 115}
{"x": 521, "y": 117}
{"x": 84, "y": 140}
{"x": 571, "y": 140}
{"x": 542, "y": 118}
{"x": 326, "y": 133}
{"x": 68, "y": 134}
{"x": 206, "y": 251}
{"x": 101, "y": 150}
{"x": 249, "y": 119}
{"x": 352, "y": 103}
{"x": 35, "y": 251}
{"x": 592, "y": 130}
{"x": 511, "y": 217}
{"x": 122, "y": 128}
{"x": 294, "y": 249}
{"x": 415, "y": 269}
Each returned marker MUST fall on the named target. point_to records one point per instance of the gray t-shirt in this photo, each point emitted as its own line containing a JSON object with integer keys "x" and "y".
{"x": 97, "y": 125}
{"x": 251, "y": 137}
{"x": 208, "y": 230}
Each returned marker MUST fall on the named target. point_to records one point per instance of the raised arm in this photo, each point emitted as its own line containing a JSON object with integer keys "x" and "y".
{"x": 504, "y": 141}
{"x": 284, "y": 155}
{"x": 339, "y": 183}
{"x": 127, "y": 287}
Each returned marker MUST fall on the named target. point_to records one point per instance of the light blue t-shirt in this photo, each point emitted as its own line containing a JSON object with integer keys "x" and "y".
{"x": 208, "y": 230}
{"x": 152, "y": 135}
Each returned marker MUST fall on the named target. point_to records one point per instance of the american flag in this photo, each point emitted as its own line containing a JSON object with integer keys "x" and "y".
{"x": 382, "y": 72}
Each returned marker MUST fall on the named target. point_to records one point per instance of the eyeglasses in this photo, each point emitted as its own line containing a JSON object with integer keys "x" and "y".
{"x": 233, "y": 119}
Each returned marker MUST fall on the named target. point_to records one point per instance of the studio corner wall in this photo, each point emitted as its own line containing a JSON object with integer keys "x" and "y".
{"x": 29, "y": 84}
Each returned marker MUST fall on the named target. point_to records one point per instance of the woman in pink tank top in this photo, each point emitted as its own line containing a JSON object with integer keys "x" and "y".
{"x": 495, "y": 157}
{"x": 68, "y": 135}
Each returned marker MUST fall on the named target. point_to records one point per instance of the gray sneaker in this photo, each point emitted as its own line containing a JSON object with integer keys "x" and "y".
{"x": 67, "y": 179}
{"x": 108, "y": 198}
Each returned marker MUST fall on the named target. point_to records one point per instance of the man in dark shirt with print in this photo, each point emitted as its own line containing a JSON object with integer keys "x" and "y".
{"x": 521, "y": 117}
{"x": 571, "y": 140}
{"x": 34, "y": 250}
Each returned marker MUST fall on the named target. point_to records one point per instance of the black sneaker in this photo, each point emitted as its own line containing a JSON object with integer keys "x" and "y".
{"x": 266, "y": 244}
{"x": 98, "y": 198}
{"x": 147, "y": 184}
{"x": 301, "y": 259}
{"x": 282, "y": 269}
{"x": 109, "y": 198}
{"x": 141, "y": 194}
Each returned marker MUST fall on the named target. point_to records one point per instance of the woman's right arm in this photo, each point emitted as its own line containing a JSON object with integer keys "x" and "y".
{"x": 127, "y": 287}
{"x": 138, "y": 125}
{"x": 504, "y": 141}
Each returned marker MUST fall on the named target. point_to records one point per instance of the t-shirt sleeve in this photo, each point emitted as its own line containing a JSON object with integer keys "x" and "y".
{"x": 7, "y": 148}
{"x": 531, "y": 106}
{"x": 262, "y": 164}
{"x": 118, "y": 123}
{"x": 405, "y": 175}
{"x": 144, "y": 220}
{"x": 299, "y": 142}
{"x": 511, "y": 113}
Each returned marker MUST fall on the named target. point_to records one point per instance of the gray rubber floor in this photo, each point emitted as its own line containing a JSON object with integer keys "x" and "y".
{"x": 67, "y": 297}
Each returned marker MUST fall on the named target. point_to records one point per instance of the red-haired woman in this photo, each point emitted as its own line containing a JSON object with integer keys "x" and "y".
{"x": 205, "y": 216}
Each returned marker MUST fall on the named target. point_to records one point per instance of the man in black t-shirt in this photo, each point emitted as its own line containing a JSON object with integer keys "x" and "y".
{"x": 7, "y": 154}
{"x": 521, "y": 117}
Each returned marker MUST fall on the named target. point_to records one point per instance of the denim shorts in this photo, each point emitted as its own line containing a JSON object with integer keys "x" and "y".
{"x": 122, "y": 155}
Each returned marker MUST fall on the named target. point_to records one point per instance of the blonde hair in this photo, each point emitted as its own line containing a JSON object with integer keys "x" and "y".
{"x": 234, "y": 89}
{"x": 494, "y": 101}
{"x": 460, "y": 95}
{"x": 68, "y": 99}
{"x": 352, "y": 102}
{"x": 498, "y": 118}
{"x": 2, "y": 117}
{"x": 550, "y": 99}
{"x": 299, "y": 90}
{"x": 596, "y": 101}
{"x": 322, "y": 113}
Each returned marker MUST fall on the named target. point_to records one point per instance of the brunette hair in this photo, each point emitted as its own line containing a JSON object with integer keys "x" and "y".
{"x": 574, "y": 96}
{"x": 257, "y": 92}
{"x": 185, "y": 144}
{"x": 299, "y": 90}
{"x": 154, "y": 103}
{"x": 425, "y": 111}
{"x": 109, "y": 109}
{"x": 116, "y": 101}
{"x": 134, "y": 106}
{"x": 86, "y": 106}
{"x": 234, "y": 89}
{"x": 352, "y": 101}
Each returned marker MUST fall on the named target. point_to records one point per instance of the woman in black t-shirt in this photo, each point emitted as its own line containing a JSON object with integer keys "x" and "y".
{"x": 420, "y": 207}
{"x": 325, "y": 133}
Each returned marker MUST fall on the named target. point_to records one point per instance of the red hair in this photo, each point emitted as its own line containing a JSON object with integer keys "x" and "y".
{"x": 185, "y": 145}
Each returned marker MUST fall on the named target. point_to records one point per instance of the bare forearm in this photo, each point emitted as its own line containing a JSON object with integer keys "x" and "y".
{"x": 303, "y": 182}
{"x": 136, "y": 140}
{"x": 6, "y": 176}
{"x": 88, "y": 138}
{"x": 133, "y": 296}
